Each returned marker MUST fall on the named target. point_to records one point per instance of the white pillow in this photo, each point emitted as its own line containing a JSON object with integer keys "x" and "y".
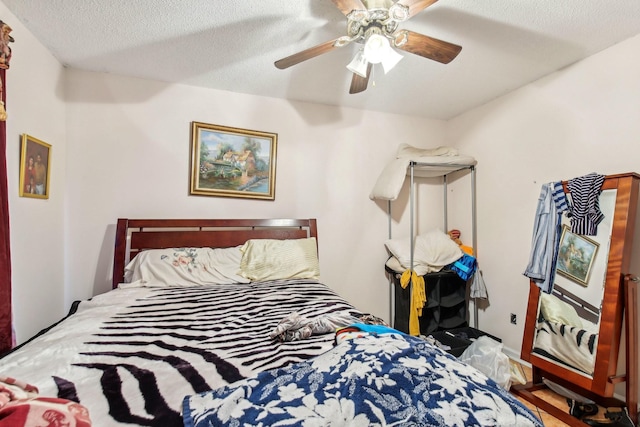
{"x": 401, "y": 250}
{"x": 185, "y": 267}
{"x": 555, "y": 310}
{"x": 395, "y": 265}
{"x": 272, "y": 259}
{"x": 437, "y": 249}
{"x": 433, "y": 250}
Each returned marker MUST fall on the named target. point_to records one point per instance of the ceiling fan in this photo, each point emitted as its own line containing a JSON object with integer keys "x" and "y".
{"x": 374, "y": 24}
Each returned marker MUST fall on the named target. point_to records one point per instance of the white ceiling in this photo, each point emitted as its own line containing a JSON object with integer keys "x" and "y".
{"x": 232, "y": 45}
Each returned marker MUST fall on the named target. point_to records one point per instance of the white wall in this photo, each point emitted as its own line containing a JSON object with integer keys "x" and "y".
{"x": 582, "y": 119}
{"x": 35, "y": 106}
{"x": 128, "y": 156}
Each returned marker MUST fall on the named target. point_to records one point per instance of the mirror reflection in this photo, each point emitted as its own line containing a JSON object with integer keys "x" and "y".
{"x": 568, "y": 320}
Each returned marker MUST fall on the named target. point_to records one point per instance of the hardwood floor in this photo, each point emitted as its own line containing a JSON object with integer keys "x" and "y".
{"x": 550, "y": 396}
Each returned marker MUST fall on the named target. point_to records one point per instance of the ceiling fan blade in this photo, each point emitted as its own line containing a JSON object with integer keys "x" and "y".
{"x": 312, "y": 52}
{"x": 346, "y": 6}
{"x": 427, "y": 47}
{"x": 416, "y": 6}
{"x": 359, "y": 83}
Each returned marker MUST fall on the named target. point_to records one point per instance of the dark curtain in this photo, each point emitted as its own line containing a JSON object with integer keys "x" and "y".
{"x": 5, "y": 249}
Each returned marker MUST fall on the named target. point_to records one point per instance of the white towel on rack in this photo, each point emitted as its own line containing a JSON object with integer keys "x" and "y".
{"x": 434, "y": 162}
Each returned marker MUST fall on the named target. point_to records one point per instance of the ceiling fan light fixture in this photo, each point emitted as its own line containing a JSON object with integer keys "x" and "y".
{"x": 359, "y": 64}
{"x": 390, "y": 60}
{"x": 375, "y": 48}
{"x": 373, "y": 24}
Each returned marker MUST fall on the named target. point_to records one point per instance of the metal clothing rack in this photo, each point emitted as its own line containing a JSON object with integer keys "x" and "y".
{"x": 450, "y": 168}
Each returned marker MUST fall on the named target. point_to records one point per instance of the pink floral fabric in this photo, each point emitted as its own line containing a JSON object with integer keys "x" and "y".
{"x": 21, "y": 406}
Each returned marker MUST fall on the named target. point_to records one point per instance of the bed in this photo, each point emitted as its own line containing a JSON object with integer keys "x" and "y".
{"x": 567, "y": 330}
{"x": 170, "y": 346}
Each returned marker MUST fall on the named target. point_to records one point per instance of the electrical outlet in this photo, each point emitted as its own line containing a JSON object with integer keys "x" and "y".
{"x": 514, "y": 318}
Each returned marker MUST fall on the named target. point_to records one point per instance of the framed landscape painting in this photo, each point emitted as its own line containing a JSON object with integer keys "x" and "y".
{"x": 232, "y": 162}
{"x": 35, "y": 164}
{"x": 575, "y": 256}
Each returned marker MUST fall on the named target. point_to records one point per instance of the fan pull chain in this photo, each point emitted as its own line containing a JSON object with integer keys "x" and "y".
{"x": 373, "y": 79}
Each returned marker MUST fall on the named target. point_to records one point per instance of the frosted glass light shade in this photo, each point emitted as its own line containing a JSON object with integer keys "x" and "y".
{"x": 390, "y": 60}
{"x": 358, "y": 64}
{"x": 375, "y": 48}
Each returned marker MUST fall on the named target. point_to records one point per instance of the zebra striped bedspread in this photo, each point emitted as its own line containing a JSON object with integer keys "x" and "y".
{"x": 570, "y": 345}
{"x": 130, "y": 356}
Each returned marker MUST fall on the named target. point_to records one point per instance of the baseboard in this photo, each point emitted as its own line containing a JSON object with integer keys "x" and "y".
{"x": 514, "y": 355}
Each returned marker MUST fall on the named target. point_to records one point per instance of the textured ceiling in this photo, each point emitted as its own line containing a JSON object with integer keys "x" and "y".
{"x": 232, "y": 45}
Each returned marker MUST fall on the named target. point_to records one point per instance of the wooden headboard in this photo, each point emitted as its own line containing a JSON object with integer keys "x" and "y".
{"x": 135, "y": 235}
{"x": 583, "y": 308}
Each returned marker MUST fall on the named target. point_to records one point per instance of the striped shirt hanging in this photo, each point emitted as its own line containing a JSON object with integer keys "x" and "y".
{"x": 585, "y": 209}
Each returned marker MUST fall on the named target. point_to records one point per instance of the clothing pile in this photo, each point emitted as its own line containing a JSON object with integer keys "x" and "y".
{"x": 296, "y": 327}
{"x": 584, "y": 214}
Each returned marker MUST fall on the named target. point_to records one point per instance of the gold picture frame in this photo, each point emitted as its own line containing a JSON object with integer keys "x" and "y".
{"x": 232, "y": 162}
{"x": 35, "y": 168}
{"x": 576, "y": 254}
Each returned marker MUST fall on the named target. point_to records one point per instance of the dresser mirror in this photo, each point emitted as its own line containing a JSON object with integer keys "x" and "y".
{"x": 572, "y": 336}
{"x": 568, "y": 319}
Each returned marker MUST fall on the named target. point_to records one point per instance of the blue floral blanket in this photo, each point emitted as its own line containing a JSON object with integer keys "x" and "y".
{"x": 371, "y": 380}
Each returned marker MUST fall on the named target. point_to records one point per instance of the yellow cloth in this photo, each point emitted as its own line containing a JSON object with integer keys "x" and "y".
{"x": 418, "y": 298}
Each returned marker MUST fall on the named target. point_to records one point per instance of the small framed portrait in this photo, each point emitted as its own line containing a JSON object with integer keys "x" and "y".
{"x": 576, "y": 254}
{"x": 232, "y": 162}
{"x": 35, "y": 167}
